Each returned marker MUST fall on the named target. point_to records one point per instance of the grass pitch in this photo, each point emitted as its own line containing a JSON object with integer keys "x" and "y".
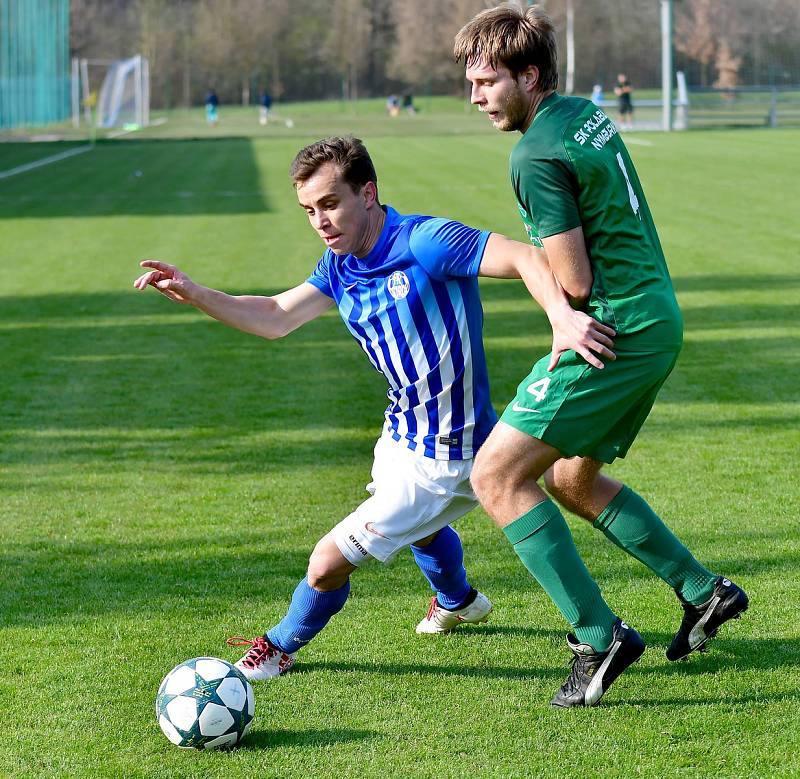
{"x": 163, "y": 478}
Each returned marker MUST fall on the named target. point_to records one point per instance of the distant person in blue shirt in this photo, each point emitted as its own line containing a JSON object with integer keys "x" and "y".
{"x": 406, "y": 288}
{"x": 211, "y": 102}
{"x": 597, "y": 94}
{"x": 393, "y": 105}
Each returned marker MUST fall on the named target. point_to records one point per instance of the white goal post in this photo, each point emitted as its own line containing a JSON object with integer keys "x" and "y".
{"x": 119, "y": 90}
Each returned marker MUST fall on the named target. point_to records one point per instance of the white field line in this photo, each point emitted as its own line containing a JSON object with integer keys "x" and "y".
{"x": 120, "y": 133}
{"x": 45, "y": 161}
{"x": 639, "y": 141}
{"x": 5, "y": 174}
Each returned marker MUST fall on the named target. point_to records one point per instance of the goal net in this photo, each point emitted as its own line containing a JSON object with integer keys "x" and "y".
{"x": 118, "y": 90}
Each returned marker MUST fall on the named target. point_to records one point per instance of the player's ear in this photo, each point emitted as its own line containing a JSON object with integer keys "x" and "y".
{"x": 529, "y": 78}
{"x": 370, "y": 193}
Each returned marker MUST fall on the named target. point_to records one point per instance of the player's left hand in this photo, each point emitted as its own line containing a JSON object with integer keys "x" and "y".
{"x": 584, "y": 335}
{"x": 168, "y": 279}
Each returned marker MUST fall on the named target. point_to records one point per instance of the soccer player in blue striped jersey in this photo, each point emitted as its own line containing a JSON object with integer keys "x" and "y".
{"x": 412, "y": 304}
{"x": 406, "y": 289}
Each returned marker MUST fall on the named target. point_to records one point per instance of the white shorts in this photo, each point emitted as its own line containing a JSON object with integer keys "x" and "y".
{"x": 412, "y": 497}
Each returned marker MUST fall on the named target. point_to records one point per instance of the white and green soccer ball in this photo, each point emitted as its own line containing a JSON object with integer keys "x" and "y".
{"x": 205, "y": 703}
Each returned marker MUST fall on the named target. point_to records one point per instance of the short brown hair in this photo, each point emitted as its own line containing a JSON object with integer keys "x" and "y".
{"x": 514, "y": 38}
{"x": 347, "y": 152}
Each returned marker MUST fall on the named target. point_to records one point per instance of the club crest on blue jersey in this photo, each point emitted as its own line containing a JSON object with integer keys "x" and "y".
{"x": 398, "y": 285}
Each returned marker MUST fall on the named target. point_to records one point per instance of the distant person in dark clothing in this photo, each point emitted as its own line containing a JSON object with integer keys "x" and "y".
{"x": 623, "y": 90}
{"x": 266, "y": 104}
{"x": 408, "y": 103}
{"x": 211, "y": 101}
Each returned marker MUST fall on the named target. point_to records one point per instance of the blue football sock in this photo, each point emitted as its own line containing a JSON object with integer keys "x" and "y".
{"x": 308, "y": 613}
{"x": 442, "y": 562}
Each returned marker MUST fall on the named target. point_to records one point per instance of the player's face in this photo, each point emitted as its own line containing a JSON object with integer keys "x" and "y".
{"x": 339, "y": 215}
{"x": 499, "y": 95}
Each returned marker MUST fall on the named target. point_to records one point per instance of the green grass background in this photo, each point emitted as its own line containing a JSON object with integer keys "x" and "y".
{"x": 163, "y": 478}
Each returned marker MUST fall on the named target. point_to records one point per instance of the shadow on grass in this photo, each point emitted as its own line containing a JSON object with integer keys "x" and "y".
{"x": 76, "y": 582}
{"x": 728, "y": 655}
{"x": 719, "y": 282}
{"x": 726, "y": 652}
{"x": 707, "y": 701}
{"x": 126, "y": 303}
{"x": 610, "y": 564}
{"x": 52, "y": 581}
{"x": 149, "y": 178}
{"x": 513, "y": 631}
{"x": 183, "y": 375}
{"x": 73, "y": 362}
{"x": 274, "y": 738}
{"x": 752, "y": 423}
{"x": 744, "y": 316}
{"x": 426, "y": 669}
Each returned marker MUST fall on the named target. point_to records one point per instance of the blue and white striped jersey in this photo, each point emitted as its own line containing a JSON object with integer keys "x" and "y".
{"x": 412, "y": 304}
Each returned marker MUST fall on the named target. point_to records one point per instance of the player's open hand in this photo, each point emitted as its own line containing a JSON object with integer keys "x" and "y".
{"x": 167, "y": 279}
{"x": 584, "y": 335}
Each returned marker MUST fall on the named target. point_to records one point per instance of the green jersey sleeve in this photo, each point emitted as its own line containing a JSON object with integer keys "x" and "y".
{"x": 548, "y": 191}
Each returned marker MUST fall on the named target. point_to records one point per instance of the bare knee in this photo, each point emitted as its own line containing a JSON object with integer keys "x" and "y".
{"x": 550, "y": 482}
{"x": 323, "y": 577}
{"x": 327, "y": 568}
{"x": 506, "y": 470}
{"x": 563, "y": 489}
{"x": 578, "y": 487}
{"x": 492, "y": 477}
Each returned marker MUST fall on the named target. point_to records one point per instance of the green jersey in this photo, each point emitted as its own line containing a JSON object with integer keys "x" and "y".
{"x": 571, "y": 169}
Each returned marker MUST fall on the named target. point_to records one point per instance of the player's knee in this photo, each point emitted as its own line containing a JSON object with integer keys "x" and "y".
{"x": 323, "y": 574}
{"x": 324, "y": 579}
{"x": 480, "y": 479}
{"x": 551, "y": 482}
{"x": 562, "y": 487}
{"x": 572, "y": 493}
{"x": 562, "y": 490}
{"x": 489, "y": 479}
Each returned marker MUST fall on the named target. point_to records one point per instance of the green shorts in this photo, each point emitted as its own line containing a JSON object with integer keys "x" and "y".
{"x": 583, "y": 411}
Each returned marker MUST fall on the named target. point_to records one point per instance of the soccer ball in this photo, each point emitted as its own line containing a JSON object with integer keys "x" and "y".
{"x": 205, "y": 703}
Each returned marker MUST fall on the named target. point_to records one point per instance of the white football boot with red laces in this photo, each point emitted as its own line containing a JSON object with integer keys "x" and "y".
{"x": 441, "y": 620}
{"x": 262, "y": 660}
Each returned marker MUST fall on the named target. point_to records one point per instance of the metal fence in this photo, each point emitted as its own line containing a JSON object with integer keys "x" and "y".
{"x": 767, "y": 106}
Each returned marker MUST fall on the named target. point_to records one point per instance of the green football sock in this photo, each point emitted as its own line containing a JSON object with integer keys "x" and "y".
{"x": 543, "y": 542}
{"x": 630, "y": 523}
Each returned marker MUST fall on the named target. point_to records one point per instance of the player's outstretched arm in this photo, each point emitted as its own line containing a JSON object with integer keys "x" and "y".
{"x": 269, "y": 317}
{"x": 575, "y": 330}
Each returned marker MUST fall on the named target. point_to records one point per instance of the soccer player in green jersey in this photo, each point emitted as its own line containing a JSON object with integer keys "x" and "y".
{"x": 582, "y": 204}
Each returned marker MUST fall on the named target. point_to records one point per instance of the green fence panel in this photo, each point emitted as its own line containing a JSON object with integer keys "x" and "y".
{"x": 34, "y": 62}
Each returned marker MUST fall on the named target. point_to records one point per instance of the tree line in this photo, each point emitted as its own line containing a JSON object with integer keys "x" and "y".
{"x": 315, "y": 49}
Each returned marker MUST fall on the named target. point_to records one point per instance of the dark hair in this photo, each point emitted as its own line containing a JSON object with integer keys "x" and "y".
{"x": 514, "y": 38}
{"x": 349, "y": 155}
